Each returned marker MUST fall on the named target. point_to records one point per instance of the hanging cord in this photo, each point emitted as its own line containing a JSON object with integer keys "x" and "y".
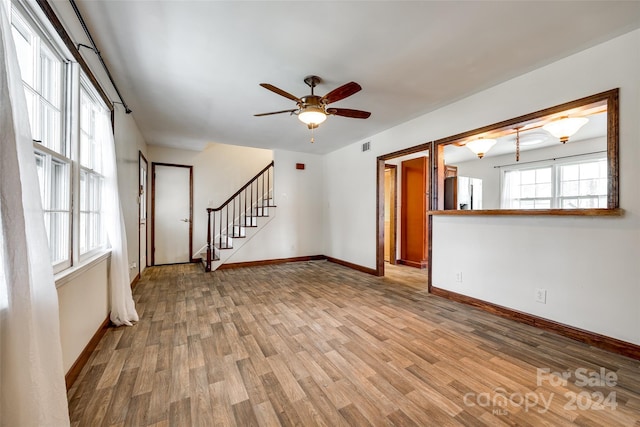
{"x": 95, "y": 50}
{"x": 517, "y": 144}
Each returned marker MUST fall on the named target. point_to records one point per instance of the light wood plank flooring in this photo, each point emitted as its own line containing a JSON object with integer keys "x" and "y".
{"x": 408, "y": 276}
{"x": 315, "y": 343}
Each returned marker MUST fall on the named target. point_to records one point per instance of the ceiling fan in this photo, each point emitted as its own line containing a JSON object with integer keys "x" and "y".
{"x": 312, "y": 109}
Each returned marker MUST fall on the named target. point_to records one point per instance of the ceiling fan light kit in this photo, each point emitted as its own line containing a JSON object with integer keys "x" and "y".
{"x": 312, "y": 109}
{"x": 312, "y": 115}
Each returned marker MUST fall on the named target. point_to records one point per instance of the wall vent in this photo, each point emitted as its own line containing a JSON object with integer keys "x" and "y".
{"x": 366, "y": 146}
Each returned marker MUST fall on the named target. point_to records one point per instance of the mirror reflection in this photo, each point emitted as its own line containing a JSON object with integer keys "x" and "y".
{"x": 538, "y": 164}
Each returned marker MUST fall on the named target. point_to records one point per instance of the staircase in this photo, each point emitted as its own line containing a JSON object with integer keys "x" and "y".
{"x": 238, "y": 219}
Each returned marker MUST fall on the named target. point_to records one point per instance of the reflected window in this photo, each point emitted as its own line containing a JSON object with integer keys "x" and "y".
{"x": 577, "y": 184}
{"x": 583, "y": 185}
{"x": 527, "y": 189}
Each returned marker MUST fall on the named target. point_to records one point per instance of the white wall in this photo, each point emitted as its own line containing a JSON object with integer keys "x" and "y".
{"x": 350, "y": 206}
{"x": 129, "y": 143}
{"x": 84, "y": 304}
{"x": 297, "y": 228}
{"x": 588, "y": 265}
{"x": 218, "y": 171}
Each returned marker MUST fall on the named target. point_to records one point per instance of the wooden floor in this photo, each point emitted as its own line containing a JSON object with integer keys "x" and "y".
{"x": 409, "y": 276}
{"x": 315, "y": 343}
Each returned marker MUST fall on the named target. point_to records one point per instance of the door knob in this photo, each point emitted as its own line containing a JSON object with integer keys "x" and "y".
{"x": 185, "y": 220}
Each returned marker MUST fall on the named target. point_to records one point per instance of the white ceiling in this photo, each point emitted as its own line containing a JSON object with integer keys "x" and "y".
{"x": 190, "y": 70}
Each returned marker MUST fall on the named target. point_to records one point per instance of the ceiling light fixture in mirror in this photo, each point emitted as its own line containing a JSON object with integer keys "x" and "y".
{"x": 559, "y": 169}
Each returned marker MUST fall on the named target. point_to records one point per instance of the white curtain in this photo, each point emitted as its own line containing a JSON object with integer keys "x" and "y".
{"x": 510, "y": 181}
{"x": 123, "y": 311}
{"x": 32, "y": 388}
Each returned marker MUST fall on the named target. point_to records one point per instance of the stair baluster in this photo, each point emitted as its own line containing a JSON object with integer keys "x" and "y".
{"x": 234, "y": 226}
{"x": 208, "y": 265}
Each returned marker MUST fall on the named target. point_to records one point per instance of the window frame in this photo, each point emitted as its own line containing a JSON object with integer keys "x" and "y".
{"x": 58, "y": 151}
{"x": 99, "y": 108}
{"x": 49, "y": 158}
{"x": 593, "y": 158}
{"x": 73, "y": 76}
{"x": 554, "y": 165}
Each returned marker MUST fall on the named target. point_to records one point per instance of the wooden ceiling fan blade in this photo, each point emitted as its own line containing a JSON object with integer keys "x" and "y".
{"x": 279, "y": 91}
{"x": 342, "y": 92}
{"x": 347, "y": 112}
{"x": 276, "y": 112}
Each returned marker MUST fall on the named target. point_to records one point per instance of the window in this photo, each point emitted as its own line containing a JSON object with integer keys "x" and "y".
{"x": 570, "y": 185}
{"x": 67, "y": 142}
{"x": 53, "y": 175}
{"x": 528, "y": 188}
{"x": 583, "y": 185}
{"x": 92, "y": 234}
{"x": 42, "y": 77}
{"x": 4, "y": 295}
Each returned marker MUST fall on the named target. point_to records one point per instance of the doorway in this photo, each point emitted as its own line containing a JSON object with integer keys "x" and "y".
{"x": 422, "y": 276}
{"x": 172, "y": 204}
{"x": 143, "y": 167}
{"x": 390, "y": 213}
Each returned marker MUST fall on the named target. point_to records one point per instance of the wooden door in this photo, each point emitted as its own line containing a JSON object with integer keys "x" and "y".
{"x": 172, "y": 200}
{"x": 414, "y": 245}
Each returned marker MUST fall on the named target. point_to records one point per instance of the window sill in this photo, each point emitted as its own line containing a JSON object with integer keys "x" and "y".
{"x": 531, "y": 212}
{"x": 71, "y": 273}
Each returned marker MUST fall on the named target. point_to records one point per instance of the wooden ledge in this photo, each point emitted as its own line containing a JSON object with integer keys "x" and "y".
{"x": 531, "y": 212}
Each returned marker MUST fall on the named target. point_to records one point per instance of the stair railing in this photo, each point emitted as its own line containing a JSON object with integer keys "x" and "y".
{"x": 238, "y": 212}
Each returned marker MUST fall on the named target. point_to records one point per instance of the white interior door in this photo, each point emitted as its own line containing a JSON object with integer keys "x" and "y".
{"x": 172, "y": 214}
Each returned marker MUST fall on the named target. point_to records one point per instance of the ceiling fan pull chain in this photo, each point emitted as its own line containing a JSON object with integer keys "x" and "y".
{"x": 312, "y": 140}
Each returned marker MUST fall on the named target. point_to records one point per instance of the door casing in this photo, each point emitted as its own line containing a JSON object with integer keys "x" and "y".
{"x": 391, "y": 210}
{"x": 143, "y": 197}
{"x": 432, "y": 201}
{"x": 153, "y": 207}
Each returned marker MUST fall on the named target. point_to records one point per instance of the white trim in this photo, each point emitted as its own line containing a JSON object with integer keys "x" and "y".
{"x": 44, "y": 27}
{"x": 71, "y": 273}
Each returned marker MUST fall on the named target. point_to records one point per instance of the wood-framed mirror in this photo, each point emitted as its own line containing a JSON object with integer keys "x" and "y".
{"x": 562, "y": 160}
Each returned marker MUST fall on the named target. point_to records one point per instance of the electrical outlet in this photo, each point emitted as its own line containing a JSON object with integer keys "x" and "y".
{"x": 459, "y": 277}
{"x": 541, "y": 295}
